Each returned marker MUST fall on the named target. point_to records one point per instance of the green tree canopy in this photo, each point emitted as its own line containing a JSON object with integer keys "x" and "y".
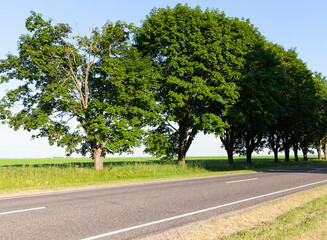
{"x": 87, "y": 94}
{"x": 199, "y": 55}
{"x": 257, "y": 106}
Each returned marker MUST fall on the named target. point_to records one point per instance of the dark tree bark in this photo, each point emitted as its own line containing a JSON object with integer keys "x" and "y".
{"x": 274, "y": 142}
{"x": 286, "y": 145}
{"x": 230, "y": 156}
{"x": 228, "y": 140}
{"x": 248, "y": 157}
{"x": 183, "y": 134}
{"x": 296, "y": 155}
{"x": 296, "y": 149}
{"x": 305, "y": 153}
{"x": 275, "y": 155}
{"x": 251, "y": 144}
{"x": 186, "y": 138}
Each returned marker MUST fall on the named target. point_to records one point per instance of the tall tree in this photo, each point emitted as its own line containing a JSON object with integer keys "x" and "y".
{"x": 98, "y": 84}
{"x": 274, "y": 136}
{"x": 198, "y": 55}
{"x": 303, "y": 114}
{"x": 256, "y": 107}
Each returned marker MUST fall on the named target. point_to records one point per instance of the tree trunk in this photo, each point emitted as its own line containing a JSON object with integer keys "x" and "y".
{"x": 287, "y": 154}
{"x": 98, "y": 159}
{"x": 295, "y": 150}
{"x": 183, "y": 133}
{"x": 296, "y": 156}
{"x": 251, "y": 145}
{"x": 276, "y": 155}
{"x": 274, "y": 141}
{"x": 186, "y": 137}
{"x": 325, "y": 151}
{"x": 286, "y": 145}
{"x": 181, "y": 160}
{"x": 248, "y": 156}
{"x": 230, "y": 156}
{"x": 305, "y": 154}
{"x": 181, "y": 151}
{"x": 228, "y": 140}
{"x": 319, "y": 150}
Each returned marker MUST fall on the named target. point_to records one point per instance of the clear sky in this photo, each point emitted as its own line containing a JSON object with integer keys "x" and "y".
{"x": 299, "y": 24}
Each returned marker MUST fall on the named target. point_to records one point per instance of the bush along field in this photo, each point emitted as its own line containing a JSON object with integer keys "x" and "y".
{"x": 41, "y": 174}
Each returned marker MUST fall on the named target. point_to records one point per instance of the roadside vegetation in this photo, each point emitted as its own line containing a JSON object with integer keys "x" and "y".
{"x": 299, "y": 216}
{"x": 306, "y": 222}
{"x": 18, "y": 175}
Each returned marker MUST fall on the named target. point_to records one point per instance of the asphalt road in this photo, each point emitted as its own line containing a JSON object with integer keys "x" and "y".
{"x": 138, "y": 210}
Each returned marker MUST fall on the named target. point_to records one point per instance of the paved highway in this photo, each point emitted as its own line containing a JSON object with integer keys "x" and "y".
{"x": 138, "y": 210}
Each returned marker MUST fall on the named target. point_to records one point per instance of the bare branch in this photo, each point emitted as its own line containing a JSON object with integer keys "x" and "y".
{"x": 171, "y": 126}
{"x": 74, "y": 78}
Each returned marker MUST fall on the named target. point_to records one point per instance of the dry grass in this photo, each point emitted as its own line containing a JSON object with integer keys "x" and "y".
{"x": 304, "y": 222}
{"x": 257, "y": 218}
{"x": 318, "y": 233}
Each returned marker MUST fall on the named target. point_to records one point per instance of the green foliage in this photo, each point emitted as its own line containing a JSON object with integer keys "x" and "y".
{"x": 199, "y": 55}
{"x": 189, "y": 71}
{"x": 82, "y": 93}
{"x": 279, "y": 107}
{"x": 257, "y": 105}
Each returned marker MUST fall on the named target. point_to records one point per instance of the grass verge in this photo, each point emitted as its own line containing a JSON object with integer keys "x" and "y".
{"x": 300, "y": 216}
{"x": 40, "y": 174}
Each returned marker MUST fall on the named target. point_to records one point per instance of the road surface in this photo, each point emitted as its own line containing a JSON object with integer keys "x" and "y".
{"x": 137, "y": 210}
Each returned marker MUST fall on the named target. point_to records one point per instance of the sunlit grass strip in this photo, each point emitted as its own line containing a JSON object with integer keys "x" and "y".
{"x": 24, "y": 178}
{"x": 80, "y": 173}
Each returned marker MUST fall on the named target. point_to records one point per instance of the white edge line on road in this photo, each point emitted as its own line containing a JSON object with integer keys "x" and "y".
{"x": 244, "y": 180}
{"x": 23, "y": 210}
{"x": 312, "y": 171}
{"x": 197, "y": 212}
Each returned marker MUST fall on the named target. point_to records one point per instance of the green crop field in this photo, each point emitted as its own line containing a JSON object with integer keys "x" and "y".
{"x": 124, "y": 160}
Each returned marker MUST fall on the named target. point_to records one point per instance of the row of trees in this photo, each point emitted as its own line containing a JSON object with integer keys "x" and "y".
{"x": 184, "y": 71}
{"x": 282, "y": 106}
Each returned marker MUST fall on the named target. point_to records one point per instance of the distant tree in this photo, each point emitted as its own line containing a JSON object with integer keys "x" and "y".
{"x": 198, "y": 55}
{"x": 87, "y": 94}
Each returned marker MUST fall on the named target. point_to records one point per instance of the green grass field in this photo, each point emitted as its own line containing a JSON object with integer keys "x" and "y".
{"x": 56, "y": 173}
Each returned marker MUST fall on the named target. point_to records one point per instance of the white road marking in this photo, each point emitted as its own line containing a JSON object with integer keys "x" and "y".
{"x": 22, "y": 210}
{"x": 200, "y": 211}
{"x": 317, "y": 170}
{"x": 244, "y": 180}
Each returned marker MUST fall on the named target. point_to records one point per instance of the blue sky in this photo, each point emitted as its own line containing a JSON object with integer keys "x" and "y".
{"x": 293, "y": 24}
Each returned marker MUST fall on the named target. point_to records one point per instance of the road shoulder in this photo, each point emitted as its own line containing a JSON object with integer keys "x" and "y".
{"x": 225, "y": 225}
